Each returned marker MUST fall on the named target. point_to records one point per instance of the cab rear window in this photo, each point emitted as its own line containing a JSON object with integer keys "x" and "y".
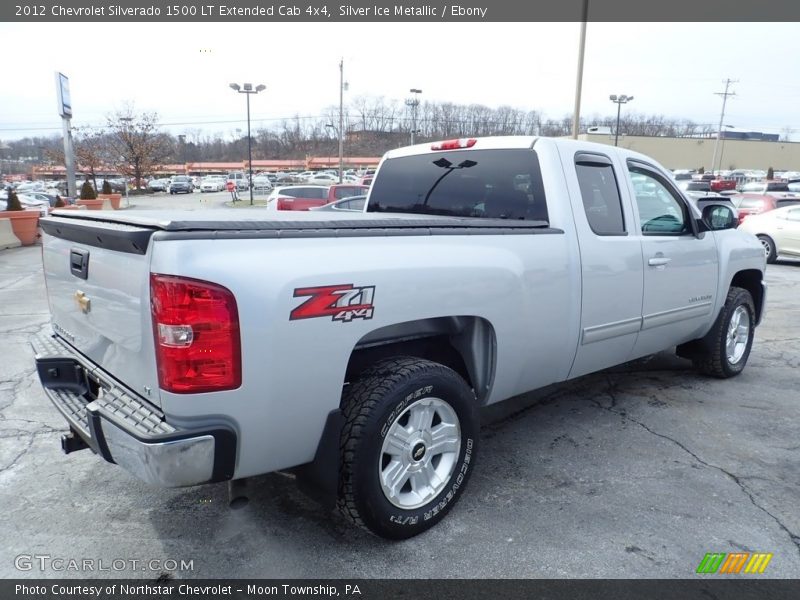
{"x": 503, "y": 184}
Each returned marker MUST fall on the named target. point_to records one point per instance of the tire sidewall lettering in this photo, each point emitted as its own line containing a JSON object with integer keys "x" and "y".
{"x": 459, "y": 480}
{"x": 401, "y": 406}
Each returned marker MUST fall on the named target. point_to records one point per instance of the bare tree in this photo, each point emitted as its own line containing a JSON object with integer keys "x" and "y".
{"x": 91, "y": 152}
{"x": 136, "y": 146}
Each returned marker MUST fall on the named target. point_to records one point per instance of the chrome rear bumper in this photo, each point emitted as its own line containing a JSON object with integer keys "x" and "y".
{"x": 126, "y": 429}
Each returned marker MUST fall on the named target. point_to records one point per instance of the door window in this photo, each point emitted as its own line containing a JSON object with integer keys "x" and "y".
{"x": 661, "y": 212}
{"x": 600, "y": 195}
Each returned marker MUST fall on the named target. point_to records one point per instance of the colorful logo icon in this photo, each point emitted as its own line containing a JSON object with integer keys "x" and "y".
{"x": 736, "y": 562}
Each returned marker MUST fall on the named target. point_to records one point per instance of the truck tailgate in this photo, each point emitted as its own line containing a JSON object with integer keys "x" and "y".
{"x": 98, "y": 288}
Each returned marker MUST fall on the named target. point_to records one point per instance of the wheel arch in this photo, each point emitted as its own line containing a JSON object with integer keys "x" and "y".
{"x": 466, "y": 344}
{"x": 751, "y": 280}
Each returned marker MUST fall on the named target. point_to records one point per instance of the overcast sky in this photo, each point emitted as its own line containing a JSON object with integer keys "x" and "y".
{"x": 182, "y": 70}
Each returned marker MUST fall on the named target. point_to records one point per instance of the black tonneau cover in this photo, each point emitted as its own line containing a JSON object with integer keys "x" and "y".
{"x": 131, "y": 231}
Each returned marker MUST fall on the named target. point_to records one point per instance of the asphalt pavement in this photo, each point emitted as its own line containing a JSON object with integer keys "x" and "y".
{"x": 634, "y": 472}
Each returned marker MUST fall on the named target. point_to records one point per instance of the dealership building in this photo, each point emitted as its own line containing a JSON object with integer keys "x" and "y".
{"x": 739, "y": 152}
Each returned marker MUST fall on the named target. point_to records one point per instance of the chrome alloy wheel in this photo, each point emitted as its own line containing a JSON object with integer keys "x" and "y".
{"x": 738, "y": 335}
{"x": 767, "y": 245}
{"x": 419, "y": 453}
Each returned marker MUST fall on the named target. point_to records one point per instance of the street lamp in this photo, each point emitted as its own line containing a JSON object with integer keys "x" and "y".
{"x": 343, "y": 85}
{"x": 619, "y": 101}
{"x": 182, "y": 142}
{"x": 247, "y": 88}
{"x": 413, "y": 103}
{"x": 126, "y": 123}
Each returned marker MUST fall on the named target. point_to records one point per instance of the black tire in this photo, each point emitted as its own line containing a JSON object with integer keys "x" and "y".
{"x": 714, "y": 359}
{"x": 378, "y": 403}
{"x": 769, "y": 248}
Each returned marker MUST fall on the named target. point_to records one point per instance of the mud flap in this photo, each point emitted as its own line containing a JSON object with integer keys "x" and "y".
{"x": 320, "y": 478}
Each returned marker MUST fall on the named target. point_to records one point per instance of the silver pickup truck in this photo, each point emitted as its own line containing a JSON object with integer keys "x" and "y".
{"x": 357, "y": 349}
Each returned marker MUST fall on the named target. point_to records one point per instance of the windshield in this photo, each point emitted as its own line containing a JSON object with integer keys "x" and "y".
{"x": 504, "y": 184}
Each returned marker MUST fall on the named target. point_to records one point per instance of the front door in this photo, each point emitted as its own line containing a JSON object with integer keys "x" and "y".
{"x": 680, "y": 265}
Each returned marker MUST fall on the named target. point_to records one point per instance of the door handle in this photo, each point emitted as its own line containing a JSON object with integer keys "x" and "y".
{"x": 658, "y": 261}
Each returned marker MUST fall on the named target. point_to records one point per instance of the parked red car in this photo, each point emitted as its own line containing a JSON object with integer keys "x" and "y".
{"x": 722, "y": 185}
{"x": 304, "y": 197}
{"x": 753, "y": 204}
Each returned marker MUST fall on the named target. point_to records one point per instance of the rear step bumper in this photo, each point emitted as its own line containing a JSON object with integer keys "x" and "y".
{"x": 125, "y": 429}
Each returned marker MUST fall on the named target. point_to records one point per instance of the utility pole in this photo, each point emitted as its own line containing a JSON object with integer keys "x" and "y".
{"x": 724, "y": 95}
{"x": 341, "y": 118}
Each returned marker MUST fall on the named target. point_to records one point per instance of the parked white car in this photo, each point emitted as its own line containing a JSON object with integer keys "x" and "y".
{"x": 212, "y": 184}
{"x": 323, "y": 179}
{"x": 29, "y": 203}
{"x": 261, "y": 183}
{"x": 778, "y": 231}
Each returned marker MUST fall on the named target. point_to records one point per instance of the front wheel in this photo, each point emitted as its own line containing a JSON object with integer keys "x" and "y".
{"x": 729, "y": 342}
{"x": 769, "y": 248}
{"x": 408, "y": 446}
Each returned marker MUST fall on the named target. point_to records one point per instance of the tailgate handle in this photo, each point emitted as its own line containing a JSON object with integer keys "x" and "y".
{"x": 79, "y": 263}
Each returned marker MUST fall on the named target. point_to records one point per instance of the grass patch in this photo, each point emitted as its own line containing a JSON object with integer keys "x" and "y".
{"x": 245, "y": 203}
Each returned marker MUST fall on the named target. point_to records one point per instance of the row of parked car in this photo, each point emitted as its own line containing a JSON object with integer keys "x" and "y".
{"x": 33, "y": 199}
{"x": 261, "y": 183}
{"x": 769, "y": 209}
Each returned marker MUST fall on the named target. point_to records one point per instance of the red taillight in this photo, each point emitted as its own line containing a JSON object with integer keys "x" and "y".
{"x": 454, "y": 144}
{"x": 196, "y": 329}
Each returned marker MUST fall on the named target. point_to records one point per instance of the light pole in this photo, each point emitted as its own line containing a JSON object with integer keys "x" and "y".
{"x": 125, "y": 124}
{"x": 247, "y": 88}
{"x": 619, "y": 101}
{"x": 576, "y": 113}
{"x": 333, "y": 127}
{"x": 182, "y": 141}
{"x": 413, "y": 103}
{"x": 343, "y": 85}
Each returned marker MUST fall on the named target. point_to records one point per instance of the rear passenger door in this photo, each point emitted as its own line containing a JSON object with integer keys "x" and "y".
{"x": 611, "y": 262}
{"x": 680, "y": 264}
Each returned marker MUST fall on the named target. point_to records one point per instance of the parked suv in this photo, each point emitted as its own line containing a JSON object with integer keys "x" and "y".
{"x": 240, "y": 179}
{"x": 181, "y": 184}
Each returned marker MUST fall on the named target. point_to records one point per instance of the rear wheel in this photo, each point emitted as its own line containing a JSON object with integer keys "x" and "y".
{"x": 728, "y": 344}
{"x": 408, "y": 446}
{"x": 769, "y": 248}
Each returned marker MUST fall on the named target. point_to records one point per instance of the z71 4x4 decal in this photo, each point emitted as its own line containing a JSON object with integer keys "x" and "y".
{"x": 343, "y": 302}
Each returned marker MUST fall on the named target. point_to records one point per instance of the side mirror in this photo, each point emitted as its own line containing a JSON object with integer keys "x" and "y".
{"x": 717, "y": 217}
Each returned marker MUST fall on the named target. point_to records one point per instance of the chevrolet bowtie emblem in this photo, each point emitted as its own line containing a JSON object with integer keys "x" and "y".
{"x": 83, "y": 302}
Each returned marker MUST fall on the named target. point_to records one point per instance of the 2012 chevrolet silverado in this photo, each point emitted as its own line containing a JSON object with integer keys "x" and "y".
{"x": 357, "y": 349}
